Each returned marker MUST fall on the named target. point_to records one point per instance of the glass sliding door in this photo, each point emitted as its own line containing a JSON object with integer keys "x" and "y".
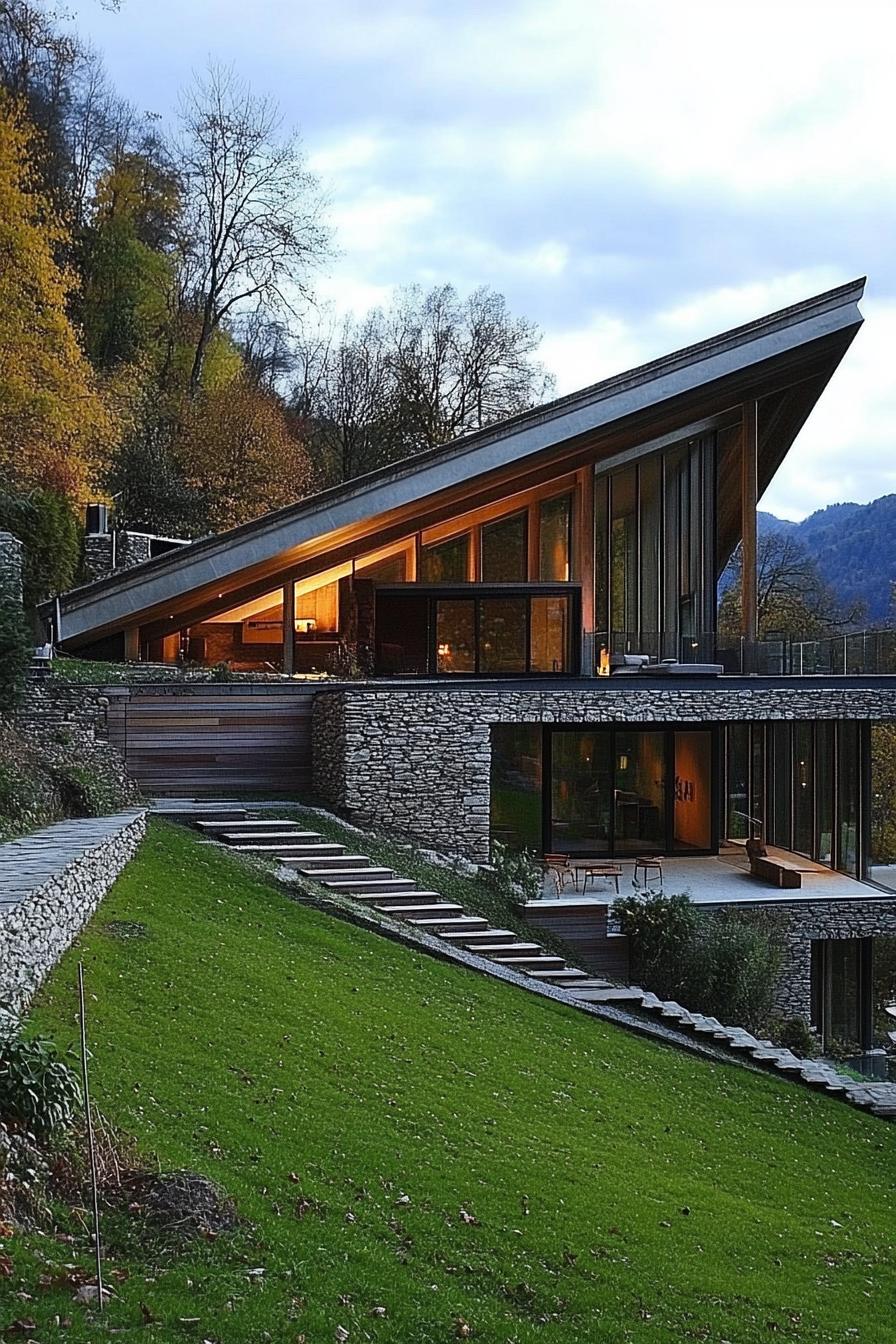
{"x": 621, "y": 792}
{"x": 848, "y": 775}
{"x": 516, "y": 785}
{"x": 581, "y": 792}
{"x": 640, "y": 792}
{"x": 624, "y": 551}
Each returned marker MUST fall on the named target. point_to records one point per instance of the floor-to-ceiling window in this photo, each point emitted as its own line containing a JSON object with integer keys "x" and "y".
{"x": 798, "y": 786}
{"x": 516, "y": 810}
{"x": 655, "y": 552}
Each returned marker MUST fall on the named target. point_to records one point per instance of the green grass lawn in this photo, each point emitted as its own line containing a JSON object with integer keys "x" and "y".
{"x": 402, "y": 1134}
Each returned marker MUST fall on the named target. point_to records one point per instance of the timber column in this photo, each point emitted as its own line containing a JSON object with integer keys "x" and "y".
{"x": 289, "y": 627}
{"x": 749, "y": 493}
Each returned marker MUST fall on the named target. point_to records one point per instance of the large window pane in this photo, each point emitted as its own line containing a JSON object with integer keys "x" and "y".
{"x": 779, "y": 829}
{"x": 848, "y": 798}
{"x": 601, "y": 560}
{"x": 803, "y": 790}
{"x": 650, "y": 489}
{"x": 502, "y": 634}
{"x": 516, "y": 785}
{"x": 549, "y": 634}
{"x": 824, "y": 791}
{"x": 455, "y": 636}
{"x": 581, "y": 792}
{"x": 446, "y": 561}
{"x": 624, "y": 552}
{"x": 882, "y": 859}
{"x": 640, "y": 801}
{"x": 392, "y": 569}
{"x": 504, "y": 548}
{"x": 692, "y": 807}
{"x": 555, "y": 518}
{"x": 737, "y": 770}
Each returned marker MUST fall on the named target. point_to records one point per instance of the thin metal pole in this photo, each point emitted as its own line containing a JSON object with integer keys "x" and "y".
{"x": 90, "y": 1142}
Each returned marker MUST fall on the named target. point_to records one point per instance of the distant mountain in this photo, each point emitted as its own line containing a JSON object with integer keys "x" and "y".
{"x": 854, "y": 546}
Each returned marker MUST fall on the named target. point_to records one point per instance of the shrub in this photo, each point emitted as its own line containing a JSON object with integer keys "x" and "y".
{"x": 794, "y": 1033}
{"x": 661, "y": 931}
{"x": 46, "y": 525}
{"x": 39, "y": 1093}
{"x": 731, "y": 968}
{"x": 514, "y": 874}
{"x": 723, "y": 963}
{"x": 16, "y": 650}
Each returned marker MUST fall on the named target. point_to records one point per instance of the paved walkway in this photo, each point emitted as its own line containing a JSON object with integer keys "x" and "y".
{"x": 33, "y": 859}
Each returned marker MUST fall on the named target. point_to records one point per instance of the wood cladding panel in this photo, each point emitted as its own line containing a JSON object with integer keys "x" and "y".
{"x": 205, "y": 742}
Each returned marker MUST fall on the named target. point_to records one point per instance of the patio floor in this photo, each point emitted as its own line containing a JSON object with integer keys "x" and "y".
{"x": 720, "y": 879}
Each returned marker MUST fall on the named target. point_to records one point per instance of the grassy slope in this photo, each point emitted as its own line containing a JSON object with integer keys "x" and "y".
{"x": 252, "y": 1038}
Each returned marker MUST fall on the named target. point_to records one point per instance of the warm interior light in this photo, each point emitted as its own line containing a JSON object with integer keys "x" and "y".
{"x": 305, "y": 624}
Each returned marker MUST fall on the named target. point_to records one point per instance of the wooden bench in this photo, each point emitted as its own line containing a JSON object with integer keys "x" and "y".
{"x": 780, "y": 872}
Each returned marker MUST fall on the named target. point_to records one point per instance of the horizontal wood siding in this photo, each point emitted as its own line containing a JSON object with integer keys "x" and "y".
{"x": 584, "y": 928}
{"x": 214, "y": 740}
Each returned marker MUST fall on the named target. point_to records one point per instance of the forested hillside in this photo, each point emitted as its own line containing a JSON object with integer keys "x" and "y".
{"x": 854, "y": 549}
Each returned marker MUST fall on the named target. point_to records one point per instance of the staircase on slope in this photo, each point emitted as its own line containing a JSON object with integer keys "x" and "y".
{"x": 330, "y": 864}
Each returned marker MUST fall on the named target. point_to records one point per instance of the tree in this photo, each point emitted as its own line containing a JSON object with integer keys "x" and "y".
{"x": 16, "y": 648}
{"x": 129, "y": 278}
{"x": 54, "y": 423}
{"x": 252, "y": 226}
{"x": 50, "y": 532}
{"x": 146, "y": 479}
{"x": 236, "y": 448}
{"x": 431, "y": 368}
{"x": 792, "y": 597}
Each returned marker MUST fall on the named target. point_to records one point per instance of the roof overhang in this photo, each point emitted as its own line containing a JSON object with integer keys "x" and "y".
{"x": 784, "y": 360}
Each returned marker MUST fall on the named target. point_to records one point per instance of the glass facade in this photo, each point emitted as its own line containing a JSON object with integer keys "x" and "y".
{"x": 798, "y": 786}
{"x": 446, "y": 561}
{"x": 475, "y": 630}
{"x": 655, "y": 552}
{"x": 612, "y": 791}
{"x": 554, "y": 539}
{"x": 516, "y": 785}
{"x": 504, "y": 549}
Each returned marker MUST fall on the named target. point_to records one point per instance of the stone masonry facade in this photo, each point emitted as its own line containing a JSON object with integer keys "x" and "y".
{"x": 417, "y": 760}
{"x": 806, "y": 921}
{"x": 51, "y": 882}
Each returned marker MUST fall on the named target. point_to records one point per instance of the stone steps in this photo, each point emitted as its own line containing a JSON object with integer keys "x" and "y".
{"x": 356, "y": 876}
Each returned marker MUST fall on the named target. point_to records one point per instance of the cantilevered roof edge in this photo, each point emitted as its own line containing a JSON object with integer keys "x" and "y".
{"x": 531, "y": 432}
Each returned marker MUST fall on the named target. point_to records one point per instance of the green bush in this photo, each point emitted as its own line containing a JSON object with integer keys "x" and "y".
{"x": 50, "y": 533}
{"x": 661, "y": 932}
{"x": 731, "y": 968}
{"x": 723, "y": 963}
{"x": 39, "y": 1093}
{"x": 514, "y": 874}
{"x": 794, "y": 1033}
{"x": 16, "y": 651}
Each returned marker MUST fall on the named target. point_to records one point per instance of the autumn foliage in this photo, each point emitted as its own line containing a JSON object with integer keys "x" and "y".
{"x": 55, "y": 426}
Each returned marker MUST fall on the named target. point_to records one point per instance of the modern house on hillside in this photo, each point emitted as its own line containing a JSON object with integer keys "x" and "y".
{"x": 534, "y": 607}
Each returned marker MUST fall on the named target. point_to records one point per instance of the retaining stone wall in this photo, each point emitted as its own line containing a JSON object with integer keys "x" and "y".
{"x": 809, "y": 920}
{"x": 418, "y": 760}
{"x": 50, "y": 708}
{"x": 11, "y": 552}
{"x": 36, "y": 928}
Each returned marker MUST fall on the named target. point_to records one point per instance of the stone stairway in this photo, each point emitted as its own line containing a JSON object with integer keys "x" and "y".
{"x": 356, "y": 875}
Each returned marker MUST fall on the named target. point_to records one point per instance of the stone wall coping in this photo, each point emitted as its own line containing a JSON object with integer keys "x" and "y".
{"x": 30, "y": 861}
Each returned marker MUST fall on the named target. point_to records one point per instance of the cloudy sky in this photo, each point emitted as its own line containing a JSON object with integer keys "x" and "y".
{"x": 633, "y": 174}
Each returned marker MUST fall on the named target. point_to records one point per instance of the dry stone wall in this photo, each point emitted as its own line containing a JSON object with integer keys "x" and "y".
{"x": 51, "y": 882}
{"x": 806, "y": 921}
{"x": 417, "y": 759}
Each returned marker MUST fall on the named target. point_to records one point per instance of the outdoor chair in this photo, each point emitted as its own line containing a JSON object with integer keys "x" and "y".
{"x": 558, "y": 867}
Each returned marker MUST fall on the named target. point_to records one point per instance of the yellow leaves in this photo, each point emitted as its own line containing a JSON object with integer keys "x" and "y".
{"x": 54, "y": 421}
